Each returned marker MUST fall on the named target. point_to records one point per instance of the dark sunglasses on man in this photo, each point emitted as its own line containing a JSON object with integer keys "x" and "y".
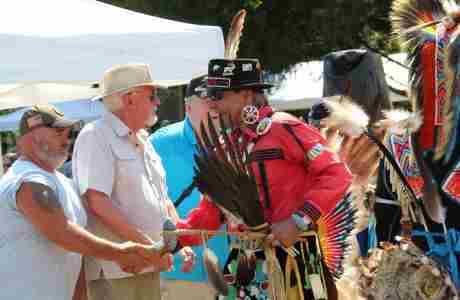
{"x": 154, "y": 96}
{"x": 215, "y": 95}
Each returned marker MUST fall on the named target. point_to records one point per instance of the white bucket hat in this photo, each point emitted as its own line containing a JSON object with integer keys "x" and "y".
{"x": 123, "y": 77}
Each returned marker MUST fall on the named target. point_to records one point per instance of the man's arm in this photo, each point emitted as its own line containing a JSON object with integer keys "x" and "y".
{"x": 172, "y": 212}
{"x": 206, "y": 216}
{"x": 331, "y": 179}
{"x": 100, "y": 205}
{"x": 41, "y": 207}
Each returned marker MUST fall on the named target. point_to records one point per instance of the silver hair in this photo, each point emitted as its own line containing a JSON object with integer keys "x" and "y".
{"x": 113, "y": 102}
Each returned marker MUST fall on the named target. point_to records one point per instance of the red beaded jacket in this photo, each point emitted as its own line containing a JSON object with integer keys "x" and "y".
{"x": 295, "y": 173}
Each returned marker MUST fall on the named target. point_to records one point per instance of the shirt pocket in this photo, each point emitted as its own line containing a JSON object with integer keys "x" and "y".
{"x": 126, "y": 158}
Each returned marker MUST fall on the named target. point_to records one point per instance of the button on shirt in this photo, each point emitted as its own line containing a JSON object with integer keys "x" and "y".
{"x": 109, "y": 158}
{"x": 176, "y": 145}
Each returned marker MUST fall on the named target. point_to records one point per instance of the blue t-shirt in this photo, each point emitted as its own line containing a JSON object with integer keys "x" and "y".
{"x": 176, "y": 145}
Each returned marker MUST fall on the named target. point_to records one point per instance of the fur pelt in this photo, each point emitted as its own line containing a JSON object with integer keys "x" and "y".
{"x": 401, "y": 121}
{"x": 403, "y": 272}
{"x": 345, "y": 116}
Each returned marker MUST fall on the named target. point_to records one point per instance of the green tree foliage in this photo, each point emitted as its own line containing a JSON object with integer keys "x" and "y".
{"x": 284, "y": 32}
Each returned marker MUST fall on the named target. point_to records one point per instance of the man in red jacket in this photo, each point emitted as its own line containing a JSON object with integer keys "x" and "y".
{"x": 299, "y": 180}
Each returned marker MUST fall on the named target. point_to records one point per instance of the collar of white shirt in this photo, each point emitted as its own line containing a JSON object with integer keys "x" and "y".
{"x": 116, "y": 124}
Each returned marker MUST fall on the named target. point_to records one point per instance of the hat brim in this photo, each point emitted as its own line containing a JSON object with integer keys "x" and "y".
{"x": 64, "y": 123}
{"x": 242, "y": 86}
{"x": 258, "y": 85}
{"x": 152, "y": 84}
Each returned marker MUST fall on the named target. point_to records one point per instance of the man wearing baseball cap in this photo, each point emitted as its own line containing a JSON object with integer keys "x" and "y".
{"x": 43, "y": 234}
{"x": 123, "y": 181}
{"x": 176, "y": 145}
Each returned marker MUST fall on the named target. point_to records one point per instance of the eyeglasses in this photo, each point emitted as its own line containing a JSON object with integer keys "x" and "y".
{"x": 73, "y": 131}
{"x": 154, "y": 96}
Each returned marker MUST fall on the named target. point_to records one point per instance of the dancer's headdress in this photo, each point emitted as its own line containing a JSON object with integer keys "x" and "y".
{"x": 429, "y": 33}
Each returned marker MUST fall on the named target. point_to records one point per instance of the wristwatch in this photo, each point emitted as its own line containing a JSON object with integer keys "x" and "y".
{"x": 302, "y": 223}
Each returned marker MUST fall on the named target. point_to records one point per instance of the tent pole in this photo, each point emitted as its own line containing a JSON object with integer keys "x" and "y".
{"x": 1, "y": 156}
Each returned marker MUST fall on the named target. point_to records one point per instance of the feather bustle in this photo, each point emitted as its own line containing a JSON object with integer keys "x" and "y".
{"x": 334, "y": 230}
{"x": 407, "y": 15}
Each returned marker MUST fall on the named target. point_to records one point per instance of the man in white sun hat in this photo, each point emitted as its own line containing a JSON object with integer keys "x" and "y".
{"x": 119, "y": 173}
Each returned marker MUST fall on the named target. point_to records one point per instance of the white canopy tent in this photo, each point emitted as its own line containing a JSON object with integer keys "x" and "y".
{"x": 53, "y": 50}
{"x": 397, "y": 74}
{"x": 84, "y": 110}
{"x": 302, "y": 86}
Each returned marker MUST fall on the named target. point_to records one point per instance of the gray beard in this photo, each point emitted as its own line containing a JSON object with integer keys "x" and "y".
{"x": 55, "y": 159}
{"x": 151, "y": 121}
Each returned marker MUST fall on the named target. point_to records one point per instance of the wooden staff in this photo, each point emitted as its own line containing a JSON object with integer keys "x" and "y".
{"x": 241, "y": 235}
{"x": 210, "y": 233}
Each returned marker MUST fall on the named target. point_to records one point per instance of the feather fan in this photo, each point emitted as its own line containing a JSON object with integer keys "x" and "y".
{"x": 225, "y": 176}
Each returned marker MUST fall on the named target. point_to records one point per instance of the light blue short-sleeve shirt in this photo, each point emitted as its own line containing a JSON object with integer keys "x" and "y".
{"x": 176, "y": 145}
{"x": 31, "y": 266}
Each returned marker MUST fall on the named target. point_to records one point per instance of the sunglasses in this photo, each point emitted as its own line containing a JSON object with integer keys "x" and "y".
{"x": 73, "y": 132}
{"x": 215, "y": 95}
{"x": 154, "y": 96}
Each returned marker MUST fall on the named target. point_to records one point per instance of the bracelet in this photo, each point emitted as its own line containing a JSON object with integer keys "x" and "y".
{"x": 177, "y": 248}
{"x": 301, "y": 223}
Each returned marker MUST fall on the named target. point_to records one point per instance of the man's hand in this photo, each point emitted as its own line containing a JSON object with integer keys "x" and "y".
{"x": 158, "y": 255}
{"x": 134, "y": 257}
{"x": 165, "y": 264}
{"x": 188, "y": 259}
{"x": 360, "y": 154}
{"x": 285, "y": 232}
